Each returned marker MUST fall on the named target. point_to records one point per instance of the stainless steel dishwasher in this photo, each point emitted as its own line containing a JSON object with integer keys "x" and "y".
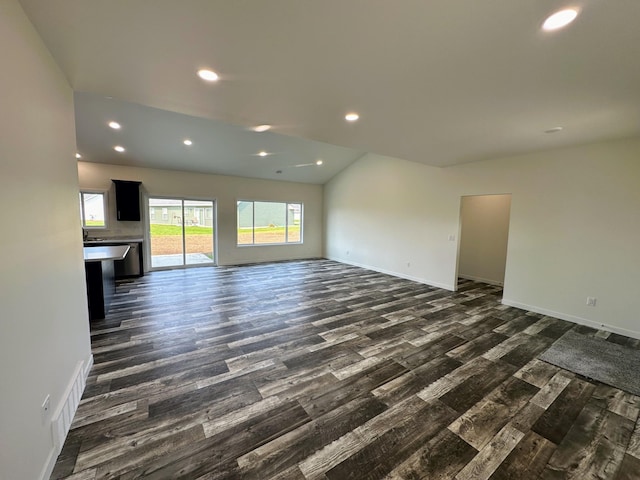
{"x": 130, "y": 266}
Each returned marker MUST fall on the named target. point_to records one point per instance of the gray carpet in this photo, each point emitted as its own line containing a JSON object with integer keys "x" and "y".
{"x": 598, "y": 359}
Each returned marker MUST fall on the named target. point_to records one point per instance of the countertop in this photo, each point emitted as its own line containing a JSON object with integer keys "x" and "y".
{"x": 99, "y": 241}
{"x": 99, "y": 254}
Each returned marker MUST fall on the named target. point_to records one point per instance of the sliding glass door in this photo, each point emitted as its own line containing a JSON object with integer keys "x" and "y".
{"x": 181, "y": 232}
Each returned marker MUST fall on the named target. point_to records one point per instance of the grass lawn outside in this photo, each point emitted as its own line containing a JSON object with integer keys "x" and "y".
{"x": 94, "y": 223}
{"x": 167, "y": 239}
{"x": 158, "y": 229}
{"x": 268, "y": 235}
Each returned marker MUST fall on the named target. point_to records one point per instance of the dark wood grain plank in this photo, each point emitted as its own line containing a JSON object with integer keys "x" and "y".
{"x": 594, "y": 447}
{"x": 527, "y": 460}
{"x": 473, "y": 389}
{"x": 478, "y": 425}
{"x": 412, "y": 382}
{"x": 395, "y": 445}
{"x": 332, "y": 396}
{"x": 477, "y": 346}
{"x": 441, "y": 458}
{"x": 558, "y": 419}
{"x": 629, "y": 469}
{"x": 284, "y": 452}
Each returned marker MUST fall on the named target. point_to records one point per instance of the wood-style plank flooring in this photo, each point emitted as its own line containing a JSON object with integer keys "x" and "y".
{"x": 318, "y": 370}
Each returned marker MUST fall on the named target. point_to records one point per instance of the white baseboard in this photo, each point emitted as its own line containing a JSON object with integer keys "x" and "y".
{"x": 87, "y": 368}
{"x": 45, "y": 474}
{"x": 63, "y": 415}
{"x": 481, "y": 280}
{"x": 573, "y": 318}
{"x": 431, "y": 283}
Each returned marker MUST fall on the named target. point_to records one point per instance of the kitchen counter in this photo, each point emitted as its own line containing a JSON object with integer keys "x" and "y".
{"x": 98, "y": 241}
{"x": 101, "y": 279}
{"x": 99, "y": 254}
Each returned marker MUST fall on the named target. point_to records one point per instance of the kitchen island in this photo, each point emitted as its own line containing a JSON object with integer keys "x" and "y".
{"x": 132, "y": 264}
{"x": 101, "y": 282}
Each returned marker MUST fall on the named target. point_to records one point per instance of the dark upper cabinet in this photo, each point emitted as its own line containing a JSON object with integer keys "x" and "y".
{"x": 127, "y": 200}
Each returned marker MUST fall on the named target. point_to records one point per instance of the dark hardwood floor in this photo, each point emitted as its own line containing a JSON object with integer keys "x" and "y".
{"x": 319, "y": 370}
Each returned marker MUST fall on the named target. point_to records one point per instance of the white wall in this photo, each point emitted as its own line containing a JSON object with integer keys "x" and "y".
{"x": 394, "y": 216}
{"x": 226, "y": 191}
{"x": 574, "y": 229}
{"x": 484, "y": 232}
{"x": 44, "y": 327}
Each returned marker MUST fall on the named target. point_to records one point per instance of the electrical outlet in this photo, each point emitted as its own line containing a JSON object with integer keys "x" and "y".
{"x": 347, "y": 252}
{"x": 591, "y": 301}
{"x": 46, "y": 406}
{"x": 408, "y": 264}
{"x": 452, "y": 238}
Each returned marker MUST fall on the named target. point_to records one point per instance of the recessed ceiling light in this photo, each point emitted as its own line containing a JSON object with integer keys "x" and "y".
{"x": 560, "y": 19}
{"x": 351, "y": 117}
{"x": 262, "y": 128}
{"x": 78, "y": 156}
{"x": 554, "y": 130}
{"x": 262, "y": 154}
{"x": 115, "y": 125}
{"x": 118, "y": 148}
{"x": 188, "y": 142}
{"x": 208, "y": 75}
{"x": 319, "y": 162}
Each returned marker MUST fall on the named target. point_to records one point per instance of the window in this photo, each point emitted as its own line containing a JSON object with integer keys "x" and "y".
{"x": 165, "y": 214}
{"x": 152, "y": 213}
{"x": 263, "y": 223}
{"x": 93, "y": 209}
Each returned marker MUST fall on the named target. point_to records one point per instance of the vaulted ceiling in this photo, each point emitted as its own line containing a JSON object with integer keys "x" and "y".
{"x": 440, "y": 82}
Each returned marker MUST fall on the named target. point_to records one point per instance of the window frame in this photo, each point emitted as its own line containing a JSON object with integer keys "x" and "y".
{"x": 253, "y": 220}
{"x": 105, "y": 207}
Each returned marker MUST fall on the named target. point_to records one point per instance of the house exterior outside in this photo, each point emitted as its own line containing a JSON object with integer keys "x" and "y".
{"x": 268, "y": 214}
{"x": 169, "y": 212}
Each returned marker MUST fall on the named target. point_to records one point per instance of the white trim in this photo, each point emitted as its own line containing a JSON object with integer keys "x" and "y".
{"x": 573, "y": 318}
{"x": 63, "y": 415}
{"x": 451, "y": 288}
{"x": 87, "y": 368}
{"x": 45, "y": 474}
{"x": 481, "y": 280}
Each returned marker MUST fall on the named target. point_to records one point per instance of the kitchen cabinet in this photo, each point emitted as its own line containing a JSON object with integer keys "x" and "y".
{"x": 101, "y": 283}
{"x": 127, "y": 200}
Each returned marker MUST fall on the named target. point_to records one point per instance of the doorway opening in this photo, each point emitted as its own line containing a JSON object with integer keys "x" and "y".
{"x": 181, "y": 232}
{"x": 484, "y": 235}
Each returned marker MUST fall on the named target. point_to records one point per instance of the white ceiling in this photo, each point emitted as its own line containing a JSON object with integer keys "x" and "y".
{"x": 154, "y": 138}
{"x": 440, "y": 81}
